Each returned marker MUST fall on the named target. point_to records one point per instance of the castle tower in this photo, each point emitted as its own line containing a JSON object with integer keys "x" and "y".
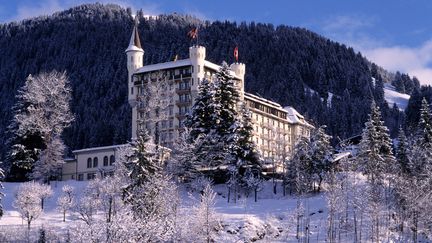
{"x": 197, "y": 55}
{"x": 239, "y": 69}
{"x": 135, "y": 55}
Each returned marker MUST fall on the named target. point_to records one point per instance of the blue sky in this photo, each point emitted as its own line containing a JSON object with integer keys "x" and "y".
{"x": 396, "y": 34}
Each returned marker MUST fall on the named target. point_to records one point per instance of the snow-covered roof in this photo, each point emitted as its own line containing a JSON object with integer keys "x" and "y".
{"x": 179, "y": 63}
{"x": 263, "y": 100}
{"x": 339, "y": 156}
{"x": 112, "y": 147}
{"x": 295, "y": 116}
{"x": 164, "y": 65}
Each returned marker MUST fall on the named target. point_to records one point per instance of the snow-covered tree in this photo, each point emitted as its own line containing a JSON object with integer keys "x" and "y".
{"x": 252, "y": 182}
{"x": 424, "y": 128}
{"x": 402, "y": 153}
{"x": 88, "y": 206}
{"x": 205, "y": 218}
{"x": 320, "y": 152}
{"x": 375, "y": 150}
{"x": 150, "y": 194}
{"x": 28, "y": 201}
{"x": 247, "y": 154}
{"x": 110, "y": 195}
{"x": 155, "y": 100}
{"x": 184, "y": 161}
{"x": 45, "y": 192}
{"x": 50, "y": 160}
{"x": 143, "y": 166}
{"x": 200, "y": 183}
{"x": 297, "y": 176}
{"x": 204, "y": 110}
{"x": 420, "y": 157}
{"x": 376, "y": 160}
{"x": 334, "y": 198}
{"x": 41, "y": 113}
{"x": 233, "y": 183}
{"x": 66, "y": 201}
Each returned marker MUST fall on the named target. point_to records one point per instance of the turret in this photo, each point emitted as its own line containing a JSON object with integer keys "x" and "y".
{"x": 135, "y": 55}
{"x": 239, "y": 69}
{"x": 197, "y": 55}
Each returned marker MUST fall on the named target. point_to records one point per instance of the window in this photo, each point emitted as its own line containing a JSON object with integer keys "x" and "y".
{"x": 80, "y": 177}
{"x": 112, "y": 159}
{"x": 95, "y": 162}
{"x": 171, "y": 123}
{"x": 91, "y": 176}
{"x": 184, "y": 110}
{"x": 105, "y": 161}
{"x": 89, "y": 163}
{"x": 131, "y": 90}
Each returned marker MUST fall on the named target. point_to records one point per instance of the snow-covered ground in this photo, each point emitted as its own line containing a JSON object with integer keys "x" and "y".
{"x": 271, "y": 219}
{"x": 392, "y": 97}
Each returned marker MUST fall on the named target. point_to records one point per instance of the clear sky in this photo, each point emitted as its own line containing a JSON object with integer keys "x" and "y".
{"x": 396, "y": 34}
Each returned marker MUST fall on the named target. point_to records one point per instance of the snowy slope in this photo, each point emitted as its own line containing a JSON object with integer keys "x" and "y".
{"x": 392, "y": 97}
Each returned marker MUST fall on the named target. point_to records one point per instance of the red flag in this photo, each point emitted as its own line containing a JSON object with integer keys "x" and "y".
{"x": 193, "y": 33}
{"x": 236, "y": 53}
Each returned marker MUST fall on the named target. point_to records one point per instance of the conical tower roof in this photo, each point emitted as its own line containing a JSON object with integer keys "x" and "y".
{"x": 135, "y": 43}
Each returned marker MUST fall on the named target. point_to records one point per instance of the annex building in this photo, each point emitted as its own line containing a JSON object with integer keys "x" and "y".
{"x": 276, "y": 128}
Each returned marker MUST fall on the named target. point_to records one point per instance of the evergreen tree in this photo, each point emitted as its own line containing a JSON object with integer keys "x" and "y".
{"x": 320, "y": 152}
{"x": 298, "y": 177}
{"x": 184, "y": 160}
{"x": 201, "y": 118}
{"x": 424, "y": 130}
{"x": 246, "y": 152}
{"x": 227, "y": 95}
{"x": 421, "y": 151}
{"x": 402, "y": 151}
{"x": 143, "y": 166}
{"x": 375, "y": 150}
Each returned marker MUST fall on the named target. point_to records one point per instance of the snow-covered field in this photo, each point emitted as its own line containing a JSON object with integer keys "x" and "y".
{"x": 394, "y": 97}
{"x": 271, "y": 219}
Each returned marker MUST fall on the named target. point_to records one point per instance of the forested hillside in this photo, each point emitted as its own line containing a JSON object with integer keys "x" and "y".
{"x": 326, "y": 81}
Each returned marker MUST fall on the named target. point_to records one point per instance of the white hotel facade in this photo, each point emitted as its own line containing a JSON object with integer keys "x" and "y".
{"x": 276, "y": 128}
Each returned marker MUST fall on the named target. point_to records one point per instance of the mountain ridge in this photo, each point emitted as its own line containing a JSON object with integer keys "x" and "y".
{"x": 88, "y": 41}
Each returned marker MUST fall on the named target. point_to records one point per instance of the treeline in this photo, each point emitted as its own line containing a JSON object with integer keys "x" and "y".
{"x": 292, "y": 66}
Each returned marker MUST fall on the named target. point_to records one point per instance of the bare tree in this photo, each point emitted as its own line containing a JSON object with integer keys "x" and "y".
{"x": 66, "y": 201}
{"x": 155, "y": 99}
{"x": 27, "y": 201}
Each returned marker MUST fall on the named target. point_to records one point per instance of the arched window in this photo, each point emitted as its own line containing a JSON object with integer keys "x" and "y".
{"x": 95, "y": 162}
{"x": 105, "y": 162}
{"x": 89, "y": 163}
{"x": 112, "y": 159}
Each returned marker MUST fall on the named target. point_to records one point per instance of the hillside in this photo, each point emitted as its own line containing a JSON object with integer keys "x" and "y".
{"x": 394, "y": 97}
{"x": 88, "y": 42}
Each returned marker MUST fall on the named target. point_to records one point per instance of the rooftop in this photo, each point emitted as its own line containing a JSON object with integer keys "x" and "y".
{"x": 112, "y": 147}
